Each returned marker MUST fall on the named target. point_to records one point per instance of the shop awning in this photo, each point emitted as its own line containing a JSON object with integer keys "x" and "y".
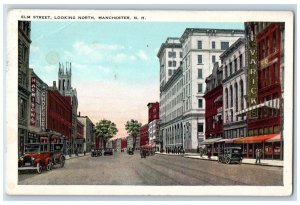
{"x": 254, "y": 139}
{"x": 210, "y": 141}
{"x": 227, "y": 140}
{"x": 271, "y": 104}
{"x": 276, "y": 138}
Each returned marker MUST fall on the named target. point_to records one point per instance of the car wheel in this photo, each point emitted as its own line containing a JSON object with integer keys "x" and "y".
{"x": 62, "y": 161}
{"x": 39, "y": 168}
{"x": 49, "y": 165}
{"x": 227, "y": 160}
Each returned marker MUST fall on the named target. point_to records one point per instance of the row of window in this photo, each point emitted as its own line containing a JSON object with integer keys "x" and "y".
{"x": 172, "y": 54}
{"x": 264, "y": 131}
{"x": 268, "y": 76}
{"x": 224, "y": 45}
{"x": 268, "y": 45}
{"x": 234, "y": 66}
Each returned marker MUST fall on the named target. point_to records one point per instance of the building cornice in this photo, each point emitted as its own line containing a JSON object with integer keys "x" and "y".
{"x": 233, "y": 47}
{"x": 173, "y": 78}
{"x": 208, "y": 32}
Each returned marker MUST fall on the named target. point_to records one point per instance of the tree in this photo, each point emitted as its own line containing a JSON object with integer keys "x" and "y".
{"x": 105, "y": 129}
{"x": 133, "y": 129}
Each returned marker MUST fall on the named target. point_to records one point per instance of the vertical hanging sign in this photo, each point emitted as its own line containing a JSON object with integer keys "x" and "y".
{"x": 44, "y": 107}
{"x": 251, "y": 50}
{"x": 32, "y": 107}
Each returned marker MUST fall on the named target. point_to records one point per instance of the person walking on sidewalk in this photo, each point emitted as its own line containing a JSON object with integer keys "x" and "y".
{"x": 257, "y": 155}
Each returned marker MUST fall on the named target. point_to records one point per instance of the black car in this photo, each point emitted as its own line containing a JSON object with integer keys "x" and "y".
{"x": 96, "y": 152}
{"x": 130, "y": 151}
{"x": 231, "y": 155}
{"x": 108, "y": 152}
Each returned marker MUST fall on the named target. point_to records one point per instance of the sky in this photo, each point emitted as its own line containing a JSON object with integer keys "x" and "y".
{"x": 115, "y": 69}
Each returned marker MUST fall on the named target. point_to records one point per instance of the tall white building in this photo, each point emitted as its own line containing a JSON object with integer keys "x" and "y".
{"x": 201, "y": 49}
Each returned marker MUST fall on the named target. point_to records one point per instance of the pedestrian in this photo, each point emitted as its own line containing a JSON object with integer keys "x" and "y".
{"x": 201, "y": 151}
{"x": 257, "y": 155}
{"x": 209, "y": 154}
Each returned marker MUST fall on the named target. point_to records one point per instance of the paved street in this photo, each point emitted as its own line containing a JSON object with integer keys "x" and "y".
{"x": 124, "y": 169}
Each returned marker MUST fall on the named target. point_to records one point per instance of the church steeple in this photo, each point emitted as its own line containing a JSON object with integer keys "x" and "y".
{"x": 64, "y": 78}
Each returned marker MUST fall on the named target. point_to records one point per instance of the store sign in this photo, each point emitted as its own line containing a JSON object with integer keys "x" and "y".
{"x": 252, "y": 62}
{"x": 33, "y": 104}
{"x": 44, "y": 108}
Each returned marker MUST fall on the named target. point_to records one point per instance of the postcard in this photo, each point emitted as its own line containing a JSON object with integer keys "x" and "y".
{"x": 132, "y": 102}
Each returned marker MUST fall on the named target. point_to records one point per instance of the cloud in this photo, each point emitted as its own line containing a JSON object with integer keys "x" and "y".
{"x": 142, "y": 55}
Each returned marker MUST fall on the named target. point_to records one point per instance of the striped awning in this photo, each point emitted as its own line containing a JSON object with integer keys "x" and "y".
{"x": 254, "y": 139}
{"x": 276, "y": 138}
{"x": 210, "y": 141}
{"x": 271, "y": 103}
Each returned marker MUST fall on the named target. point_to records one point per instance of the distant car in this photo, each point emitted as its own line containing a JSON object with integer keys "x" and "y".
{"x": 130, "y": 151}
{"x": 108, "y": 152}
{"x": 96, "y": 152}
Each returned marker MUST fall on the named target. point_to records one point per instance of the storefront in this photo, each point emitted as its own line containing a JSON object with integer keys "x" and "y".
{"x": 211, "y": 145}
{"x": 270, "y": 144}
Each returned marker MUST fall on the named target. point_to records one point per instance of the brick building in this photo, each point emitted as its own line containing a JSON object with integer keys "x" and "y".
{"x": 59, "y": 113}
{"x": 153, "y": 124}
{"x": 79, "y": 138}
{"x": 144, "y": 135}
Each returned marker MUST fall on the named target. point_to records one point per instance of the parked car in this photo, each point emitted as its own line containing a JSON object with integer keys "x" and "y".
{"x": 231, "y": 155}
{"x": 108, "y": 152}
{"x": 96, "y": 152}
{"x": 39, "y": 156}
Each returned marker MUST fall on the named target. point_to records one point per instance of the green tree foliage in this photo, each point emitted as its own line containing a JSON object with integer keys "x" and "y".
{"x": 133, "y": 129}
{"x": 105, "y": 129}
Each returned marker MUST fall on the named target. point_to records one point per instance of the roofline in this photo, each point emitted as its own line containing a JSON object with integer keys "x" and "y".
{"x": 235, "y": 45}
{"x": 209, "y": 31}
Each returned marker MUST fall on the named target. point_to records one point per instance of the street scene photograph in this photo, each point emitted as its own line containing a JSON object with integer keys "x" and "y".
{"x": 150, "y": 103}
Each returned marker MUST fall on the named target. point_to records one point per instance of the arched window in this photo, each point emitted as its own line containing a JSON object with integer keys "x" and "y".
{"x": 63, "y": 84}
{"x": 226, "y": 97}
{"x": 236, "y": 97}
{"x": 242, "y": 94}
{"x": 231, "y": 96}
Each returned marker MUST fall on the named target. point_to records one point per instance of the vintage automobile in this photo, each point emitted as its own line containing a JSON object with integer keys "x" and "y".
{"x": 108, "y": 152}
{"x": 231, "y": 155}
{"x": 96, "y": 152}
{"x": 39, "y": 156}
{"x": 143, "y": 153}
{"x": 130, "y": 151}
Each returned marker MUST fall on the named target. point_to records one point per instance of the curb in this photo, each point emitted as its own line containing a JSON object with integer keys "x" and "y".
{"x": 213, "y": 160}
{"x": 76, "y": 157}
{"x": 271, "y": 165}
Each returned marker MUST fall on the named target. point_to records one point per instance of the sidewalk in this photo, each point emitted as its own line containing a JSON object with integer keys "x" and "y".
{"x": 74, "y": 156}
{"x": 264, "y": 162}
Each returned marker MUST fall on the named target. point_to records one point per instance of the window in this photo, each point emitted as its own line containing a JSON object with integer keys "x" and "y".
{"x": 213, "y": 45}
{"x": 224, "y": 45}
{"x": 274, "y": 41}
{"x": 200, "y": 127}
{"x": 213, "y": 59}
{"x": 230, "y": 68}
{"x": 200, "y": 103}
{"x": 241, "y": 61}
{"x": 199, "y": 59}
{"x": 174, "y": 63}
{"x": 22, "y": 108}
{"x": 200, "y": 89}
{"x": 226, "y": 72}
{"x": 170, "y": 72}
{"x": 200, "y": 76}
{"x": 170, "y": 63}
{"x": 172, "y": 54}
{"x": 199, "y": 44}
{"x": 235, "y": 65}
{"x": 180, "y": 54}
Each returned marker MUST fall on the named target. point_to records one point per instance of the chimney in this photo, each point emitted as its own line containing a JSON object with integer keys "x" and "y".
{"x": 54, "y": 84}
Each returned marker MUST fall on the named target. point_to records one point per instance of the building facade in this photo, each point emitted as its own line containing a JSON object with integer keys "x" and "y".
{"x": 201, "y": 49}
{"x": 24, "y": 41}
{"x": 171, "y": 107}
{"x": 37, "y": 106}
{"x": 265, "y": 59}
{"x": 65, "y": 89}
{"x": 144, "y": 135}
{"x": 153, "y": 124}
{"x": 80, "y": 141}
{"x": 88, "y": 132}
{"x": 214, "y": 103}
{"x": 59, "y": 113}
{"x": 234, "y": 90}
{"x": 170, "y": 57}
